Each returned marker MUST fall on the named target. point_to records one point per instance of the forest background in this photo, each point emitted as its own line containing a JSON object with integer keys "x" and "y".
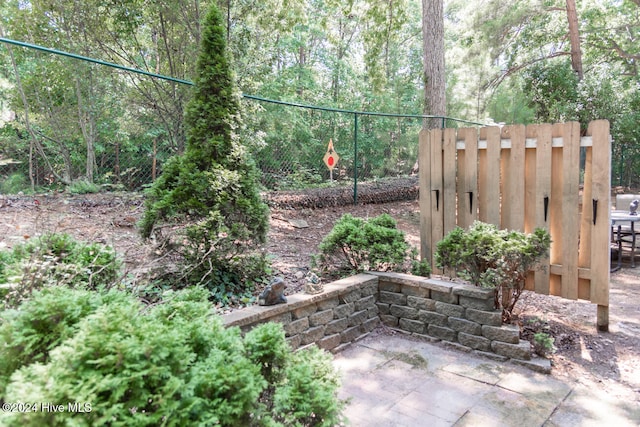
{"x": 66, "y": 121}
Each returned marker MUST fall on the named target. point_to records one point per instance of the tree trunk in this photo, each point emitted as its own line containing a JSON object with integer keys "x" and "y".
{"x": 433, "y": 61}
{"x": 574, "y": 37}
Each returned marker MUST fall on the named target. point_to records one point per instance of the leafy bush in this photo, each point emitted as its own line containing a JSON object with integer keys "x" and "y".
{"x": 53, "y": 260}
{"x": 489, "y": 257}
{"x": 170, "y": 364}
{"x": 543, "y": 344}
{"x": 355, "y": 244}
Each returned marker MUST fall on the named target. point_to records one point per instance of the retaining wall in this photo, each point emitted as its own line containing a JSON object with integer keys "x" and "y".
{"x": 350, "y": 308}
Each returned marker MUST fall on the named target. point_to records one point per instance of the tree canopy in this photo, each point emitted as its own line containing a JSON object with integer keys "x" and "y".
{"x": 79, "y": 121}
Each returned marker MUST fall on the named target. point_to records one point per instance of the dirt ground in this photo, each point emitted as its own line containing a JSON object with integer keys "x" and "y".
{"x": 610, "y": 359}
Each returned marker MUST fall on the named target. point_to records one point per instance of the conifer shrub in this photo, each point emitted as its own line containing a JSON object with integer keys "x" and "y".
{"x": 356, "y": 245}
{"x": 212, "y": 187}
{"x": 55, "y": 259}
{"x": 173, "y": 363}
{"x": 489, "y": 257}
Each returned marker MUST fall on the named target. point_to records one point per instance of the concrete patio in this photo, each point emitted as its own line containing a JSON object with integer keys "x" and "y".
{"x": 394, "y": 380}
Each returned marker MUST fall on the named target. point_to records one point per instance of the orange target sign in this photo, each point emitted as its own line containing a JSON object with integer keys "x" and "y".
{"x": 331, "y": 157}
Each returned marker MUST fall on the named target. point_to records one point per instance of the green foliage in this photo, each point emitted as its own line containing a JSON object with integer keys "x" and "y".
{"x": 213, "y": 185}
{"x": 83, "y": 187}
{"x": 170, "y": 364}
{"x": 355, "y": 244}
{"x": 489, "y": 257}
{"x": 14, "y": 183}
{"x": 56, "y": 260}
{"x": 41, "y": 324}
{"x": 306, "y": 398}
{"x": 543, "y": 344}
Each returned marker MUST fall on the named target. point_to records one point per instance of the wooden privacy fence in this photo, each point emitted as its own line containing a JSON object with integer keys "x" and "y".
{"x": 520, "y": 178}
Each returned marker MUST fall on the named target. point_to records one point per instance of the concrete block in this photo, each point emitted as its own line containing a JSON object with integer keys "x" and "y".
{"x": 521, "y": 351}
{"x": 370, "y": 324}
{"x": 392, "y": 298}
{"x": 369, "y": 289}
{"x": 506, "y": 333}
{"x": 351, "y": 334}
{"x": 431, "y": 318}
{"x": 383, "y": 308}
{"x": 387, "y": 319}
{"x": 421, "y": 303}
{"x": 364, "y": 303}
{"x": 414, "y": 326}
{"x": 350, "y": 297}
{"x": 466, "y": 326}
{"x": 404, "y": 311}
{"x": 384, "y": 285}
{"x": 329, "y": 342}
{"x": 415, "y": 290}
{"x": 343, "y": 310}
{"x": 474, "y": 341}
{"x": 312, "y": 335}
{"x": 478, "y": 304}
{"x": 328, "y": 303}
{"x": 321, "y": 317}
{"x": 442, "y": 332}
{"x": 447, "y": 297}
{"x": 304, "y": 311}
{"x": 294, "y": 341}
{"x": 491, "y": 318}
{"x": 296, "y": 327}
{"x": 449, "y": 309}
{"x": 358, "y": 318}
{"x": 373, "y": 311}
{"x": 336, "y": 326}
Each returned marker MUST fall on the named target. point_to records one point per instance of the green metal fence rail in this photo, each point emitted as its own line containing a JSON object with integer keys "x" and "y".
{"x": 355, "y": 114}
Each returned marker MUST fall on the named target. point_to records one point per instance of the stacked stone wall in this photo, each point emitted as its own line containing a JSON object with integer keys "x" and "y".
{"x": 350, "y": 308}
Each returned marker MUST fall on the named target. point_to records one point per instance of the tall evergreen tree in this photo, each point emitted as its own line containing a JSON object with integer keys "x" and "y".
{"x": 213, "y": 184}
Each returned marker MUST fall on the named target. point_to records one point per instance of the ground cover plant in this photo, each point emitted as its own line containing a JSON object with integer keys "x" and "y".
{"x": 356, "y": 245}
{"x": 170, "y": 364}
{"x": 489, "y": 257}
{"x": 55, "y": 259}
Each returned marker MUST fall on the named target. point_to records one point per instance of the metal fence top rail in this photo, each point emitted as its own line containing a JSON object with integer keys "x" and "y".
{"x": 257, "y": 98}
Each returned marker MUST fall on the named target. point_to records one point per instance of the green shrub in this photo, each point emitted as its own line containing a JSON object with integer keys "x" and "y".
{"x": 543, "y": 344}
{"x": 489, "y": 257}
{"x": 170, "y": 364}
{"x": 29, "y": 334}
{"x": 355, "y": 244}
{"x": 83, "y": 187}
{"x": 55, "y": 260}
{"x": 14, "y": 183}
{"x": 213, "y": 186}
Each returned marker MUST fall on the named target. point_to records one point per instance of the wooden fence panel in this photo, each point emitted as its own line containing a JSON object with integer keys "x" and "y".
{"x": 523, "y": 178}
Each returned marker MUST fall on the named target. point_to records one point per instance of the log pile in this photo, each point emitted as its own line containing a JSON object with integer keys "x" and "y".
{"x": 381, "y": 191}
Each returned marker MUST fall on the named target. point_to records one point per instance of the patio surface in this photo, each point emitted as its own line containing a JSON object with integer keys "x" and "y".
{"x": 393, "y": 380}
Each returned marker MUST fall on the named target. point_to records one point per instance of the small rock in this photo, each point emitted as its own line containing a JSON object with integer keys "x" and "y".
{"x": 299, "y": 275}
{"x": 298, "y": 223}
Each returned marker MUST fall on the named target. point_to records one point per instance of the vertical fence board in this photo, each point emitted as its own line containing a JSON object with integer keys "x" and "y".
{"x": 586, "y": 226}
{"x": 449, "y": 180}
{"x": 555, "y": 214}
{"x": 490, "y": 193}
{"x": 570, "y": 210}
{"x": 437, "y": 190}
{"x": 424, "y": 182}
{"x": 541, "y": 204}
{"x": 468, "y": 185}
{"x": 513, "y": 178}
{"x": 600, "y": 192}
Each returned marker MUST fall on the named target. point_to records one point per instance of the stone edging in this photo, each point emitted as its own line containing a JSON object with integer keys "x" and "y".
{"x": 348, "y": 309}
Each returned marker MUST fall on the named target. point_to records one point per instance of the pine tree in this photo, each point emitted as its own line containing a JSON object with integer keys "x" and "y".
{"x": 213, "y": 185}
